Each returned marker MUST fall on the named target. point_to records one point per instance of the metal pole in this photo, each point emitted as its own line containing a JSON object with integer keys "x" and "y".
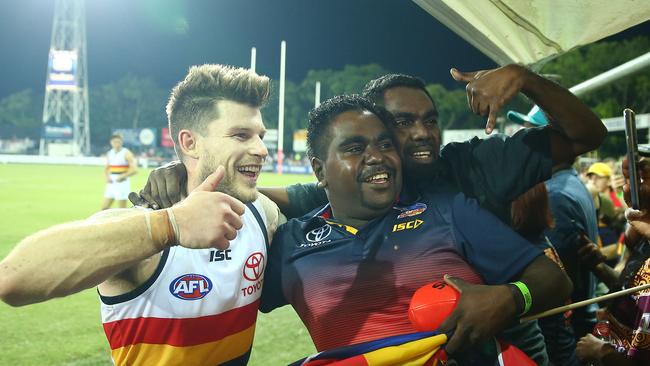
{"x": 253, "y": 58}
{"x": 609, "y": 76}
{"x": 283, "y": 51}
{"x": 618, "y": 72}
{"x": 317, "y": 95}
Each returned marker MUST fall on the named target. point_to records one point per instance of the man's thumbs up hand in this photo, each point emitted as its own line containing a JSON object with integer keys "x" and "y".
{"x": 207, "y": 218}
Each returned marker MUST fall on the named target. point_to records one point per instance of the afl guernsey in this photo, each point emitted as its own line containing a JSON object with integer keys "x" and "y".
{"x": 198, "y": 308}
{"x": 117, "y": 163}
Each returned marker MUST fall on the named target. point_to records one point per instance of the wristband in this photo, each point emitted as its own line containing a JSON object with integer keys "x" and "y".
{"x": 172, "y": 221}
{"x": 160, "y": 228}
{"x": 525, "y": 292}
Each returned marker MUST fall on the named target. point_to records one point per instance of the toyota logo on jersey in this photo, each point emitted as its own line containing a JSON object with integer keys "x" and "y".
{"x": 319, "y": 233}
{"x": 190, "y": 286}
{"x": 254, "y": 266}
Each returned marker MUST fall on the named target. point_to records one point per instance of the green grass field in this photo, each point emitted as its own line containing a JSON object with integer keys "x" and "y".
{"x": 68, "y": 331}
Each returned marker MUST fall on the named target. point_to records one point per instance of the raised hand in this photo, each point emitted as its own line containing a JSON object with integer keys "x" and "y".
{"x": 482, "y": 312}
{"x": 489, "y": 90}
{"x": 207, "y": 218}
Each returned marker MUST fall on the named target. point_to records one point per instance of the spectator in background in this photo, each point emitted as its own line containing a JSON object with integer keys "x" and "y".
{"x": 120, "y": 165}
{"x": 615, "y": 191}
{"x": 531, "y": 217}
{"x": 610, "y": 219}
{"x": 628, "y": 316}
{"x": 573, "y": 209}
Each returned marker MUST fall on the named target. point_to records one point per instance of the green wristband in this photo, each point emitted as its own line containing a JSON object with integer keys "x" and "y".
{"x": 525, "y": 292}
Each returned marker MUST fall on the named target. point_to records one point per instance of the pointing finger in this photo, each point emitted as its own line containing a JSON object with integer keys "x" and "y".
{"x": 492, "y": 120}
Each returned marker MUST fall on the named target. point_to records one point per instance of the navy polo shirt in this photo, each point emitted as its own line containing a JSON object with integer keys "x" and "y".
{"x": 351, "y": 285}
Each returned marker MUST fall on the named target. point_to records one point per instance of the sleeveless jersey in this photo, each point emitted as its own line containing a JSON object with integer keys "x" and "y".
{"x": 117, "y": 163}
{"x": 198, "y": 308}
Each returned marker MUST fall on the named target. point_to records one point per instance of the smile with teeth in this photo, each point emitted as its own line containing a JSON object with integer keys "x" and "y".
{"x": 249, "y": 170}
{"x": 421, "y": 154}
{"x": 378, "y": 178}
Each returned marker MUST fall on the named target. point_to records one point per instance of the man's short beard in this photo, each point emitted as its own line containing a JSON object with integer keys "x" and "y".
{"x": 227, "y": 184}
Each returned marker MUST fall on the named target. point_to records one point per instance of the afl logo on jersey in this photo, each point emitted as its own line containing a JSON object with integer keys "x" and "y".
{"x": 190, "y": 286}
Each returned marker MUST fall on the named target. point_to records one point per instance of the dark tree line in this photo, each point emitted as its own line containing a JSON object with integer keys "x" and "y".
{"x": 133, "y": 101}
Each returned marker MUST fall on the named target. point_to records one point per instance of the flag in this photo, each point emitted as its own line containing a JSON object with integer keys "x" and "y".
{"x": 415, "y": 349}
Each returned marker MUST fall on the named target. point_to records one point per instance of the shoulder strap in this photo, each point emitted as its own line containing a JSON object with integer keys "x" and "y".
{"x": 258, "y": 217}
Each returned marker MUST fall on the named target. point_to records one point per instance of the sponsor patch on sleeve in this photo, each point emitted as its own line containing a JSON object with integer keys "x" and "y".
{"x": 412, "y": 210}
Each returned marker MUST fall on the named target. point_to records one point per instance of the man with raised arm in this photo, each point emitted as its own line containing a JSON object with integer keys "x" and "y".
{"x": 179, "y": 286}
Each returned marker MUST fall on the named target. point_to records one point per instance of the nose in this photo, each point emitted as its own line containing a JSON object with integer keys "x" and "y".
{"x": 420, "y": 132}
{"x": 373, "y": 155}
{"x": 258, "y": 148}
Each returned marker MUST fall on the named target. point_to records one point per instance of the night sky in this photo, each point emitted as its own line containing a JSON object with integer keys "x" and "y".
{"x": 162, "y": 38}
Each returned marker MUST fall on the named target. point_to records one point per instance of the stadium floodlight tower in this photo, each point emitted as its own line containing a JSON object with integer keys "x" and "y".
{"x": 65, "y": 111}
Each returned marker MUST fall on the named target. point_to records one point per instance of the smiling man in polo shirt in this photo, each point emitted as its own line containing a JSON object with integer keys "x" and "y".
{"x": 349, "y": 268}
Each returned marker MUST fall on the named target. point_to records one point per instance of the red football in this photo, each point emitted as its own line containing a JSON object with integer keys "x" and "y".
{"x": 431, "y": 305}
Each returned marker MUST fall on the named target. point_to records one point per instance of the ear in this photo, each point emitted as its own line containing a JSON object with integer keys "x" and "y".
{"x": 188, "y": 144}
{"x": 318, "y": 166}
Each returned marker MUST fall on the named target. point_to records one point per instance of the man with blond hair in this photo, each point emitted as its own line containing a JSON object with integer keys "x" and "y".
{"x": 178, "y": 286}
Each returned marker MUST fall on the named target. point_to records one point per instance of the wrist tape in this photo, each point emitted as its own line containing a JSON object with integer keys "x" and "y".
{"x": 160, "y": 228}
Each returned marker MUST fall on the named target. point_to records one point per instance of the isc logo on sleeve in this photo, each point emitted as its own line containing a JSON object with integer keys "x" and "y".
{"x": 190, "y": 286}
{"x": 414, "y": 224}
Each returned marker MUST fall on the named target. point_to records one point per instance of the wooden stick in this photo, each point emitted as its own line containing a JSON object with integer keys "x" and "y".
{"x": 580, "y": 304}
